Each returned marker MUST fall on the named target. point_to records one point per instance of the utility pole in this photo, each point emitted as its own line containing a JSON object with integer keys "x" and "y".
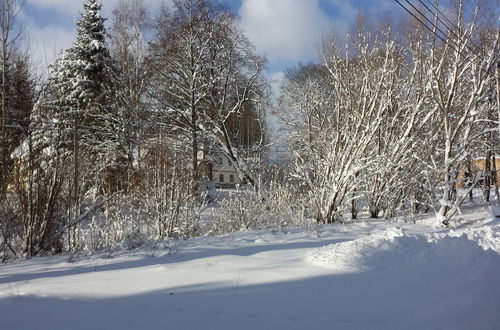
{"x": 495, "y": 167}
{"x": 498, "y": 95}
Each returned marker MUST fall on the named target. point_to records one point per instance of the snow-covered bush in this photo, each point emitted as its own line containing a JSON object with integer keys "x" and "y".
{"x": 133, "y": 240}
{"x": 278, "y": 204}
{"x": 241, "y": 210}
{"x": 285, "y": 205}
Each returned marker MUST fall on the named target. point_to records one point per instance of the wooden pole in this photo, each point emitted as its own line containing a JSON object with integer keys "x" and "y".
{"x": 498, "y": 96}
{"x": 496, "y": 152}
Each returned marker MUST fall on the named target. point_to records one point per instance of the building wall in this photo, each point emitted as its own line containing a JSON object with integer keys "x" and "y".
{"x": 477, "y": 165}
{"x": 223, "y": 173}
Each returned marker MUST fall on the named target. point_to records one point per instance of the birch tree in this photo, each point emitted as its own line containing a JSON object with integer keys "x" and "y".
{"x": 334, "y": 148}
{"x": 460, "y": 81}
{"x": 128, "y": 47}
{"x": 206, "y": 71}
{"x": 82, "y": 81}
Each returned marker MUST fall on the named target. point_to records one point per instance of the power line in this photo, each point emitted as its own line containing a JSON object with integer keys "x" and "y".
{"x": 433, "y": 25}
{"x": 436, "y": 15}
{"x": 439, "y": 11}
{"x": 425, "y": 25}
{"x": 460, "y": 53}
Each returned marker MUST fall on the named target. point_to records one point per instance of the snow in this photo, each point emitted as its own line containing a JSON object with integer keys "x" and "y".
{"x": 495, "y": 211}
{"x": 365, "y": 275}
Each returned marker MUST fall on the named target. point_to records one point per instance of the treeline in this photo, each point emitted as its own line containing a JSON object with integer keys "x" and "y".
{"x": 116, "y": 147}
{"x": 394, "y": 115}
{"x": 117, "y": 144}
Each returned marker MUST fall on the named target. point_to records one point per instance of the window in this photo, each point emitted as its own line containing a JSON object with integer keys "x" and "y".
{"x": 220, "y": 161}
{"x": 221, "y": 177}
{"x": 231, "y": 178}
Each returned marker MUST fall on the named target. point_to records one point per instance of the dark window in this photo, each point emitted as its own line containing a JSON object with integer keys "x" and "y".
{"x": 231, "y": 178}
{"x": 220, "y": 161}
{"x": 221, "y": 177}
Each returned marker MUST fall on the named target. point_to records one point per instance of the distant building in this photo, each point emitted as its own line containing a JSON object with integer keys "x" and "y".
{"x": 468, "y": 171}
{"x": 224, "y": 175}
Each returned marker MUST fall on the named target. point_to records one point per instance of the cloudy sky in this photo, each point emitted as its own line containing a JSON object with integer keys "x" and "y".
{"x": 286, "y": 31}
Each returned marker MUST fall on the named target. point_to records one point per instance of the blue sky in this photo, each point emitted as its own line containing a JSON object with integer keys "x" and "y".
{"x": 285, "y": 31}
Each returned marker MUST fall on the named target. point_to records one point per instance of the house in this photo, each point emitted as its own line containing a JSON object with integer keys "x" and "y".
{"x": 20, "y": 174}
{"x": 224, "y": 175}
{"x": 469, "y": 170}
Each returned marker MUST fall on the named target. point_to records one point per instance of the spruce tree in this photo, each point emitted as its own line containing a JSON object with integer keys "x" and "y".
{"x": 82, "y": 81}
{"x": 15, "y": 88}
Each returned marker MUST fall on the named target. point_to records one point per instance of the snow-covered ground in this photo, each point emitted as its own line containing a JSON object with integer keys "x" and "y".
{"x": 365, "y": 275}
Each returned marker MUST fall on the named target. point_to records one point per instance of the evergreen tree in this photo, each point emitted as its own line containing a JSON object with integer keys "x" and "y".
{"x": 16, "y": 92}
{"x": 82, "y": 82}
{"x": 82, "y": 74}
{"x": 15, "y": 89}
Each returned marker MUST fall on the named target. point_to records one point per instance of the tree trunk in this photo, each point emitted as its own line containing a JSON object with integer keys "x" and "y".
{"x": 494, "y": 178}
{"x": 468, "y": 178}
{"x": 487, "y": 177}
{"x": 354, "y": 209}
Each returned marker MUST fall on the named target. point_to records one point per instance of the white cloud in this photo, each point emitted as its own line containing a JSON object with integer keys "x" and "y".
{"x": 285, "y": 30}
{"x": 288, "y": 31}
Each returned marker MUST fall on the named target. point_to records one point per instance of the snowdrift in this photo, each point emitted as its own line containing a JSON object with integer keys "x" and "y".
{"x": 370, "y": 275}
{"x": 392, "y": 249}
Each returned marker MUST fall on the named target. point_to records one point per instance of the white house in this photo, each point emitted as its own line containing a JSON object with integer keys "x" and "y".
{"x": 223, "y": 173}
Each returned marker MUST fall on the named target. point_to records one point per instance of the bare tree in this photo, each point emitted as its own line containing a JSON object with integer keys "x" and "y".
{"x": 10, "y": 35}
{"x": 338, "y": 122}
{"x": 459, "y": 85}
{"x": 206, "y": 72}
{"x": 130, "y": 27}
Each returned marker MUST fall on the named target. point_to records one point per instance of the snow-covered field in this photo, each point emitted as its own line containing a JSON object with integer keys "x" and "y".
{"x": 365, "y": 275}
